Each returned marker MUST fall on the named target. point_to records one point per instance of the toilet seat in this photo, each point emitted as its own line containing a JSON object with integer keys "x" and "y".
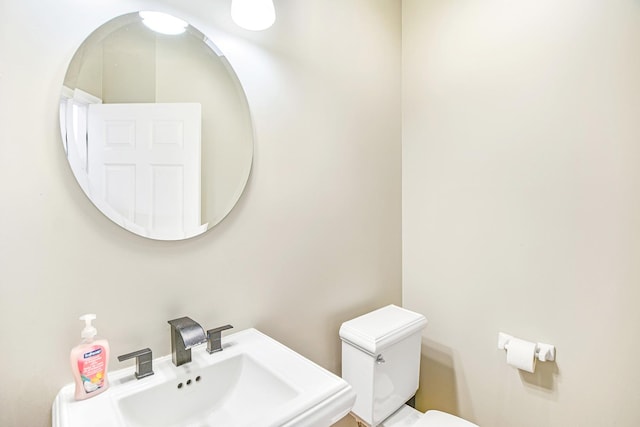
{"x": 435, "y": 418}
{"x": 407, "y": 416}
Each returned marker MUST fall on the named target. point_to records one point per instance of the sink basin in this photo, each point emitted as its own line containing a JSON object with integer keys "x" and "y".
{"x": 254, "y": 382}
{"x": 231, "y": 392}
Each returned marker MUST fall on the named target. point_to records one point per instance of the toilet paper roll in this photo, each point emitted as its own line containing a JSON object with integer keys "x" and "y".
{"x": 521, "y": 354}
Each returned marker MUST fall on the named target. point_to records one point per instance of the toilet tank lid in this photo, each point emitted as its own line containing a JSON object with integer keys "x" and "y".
{"x": 374, "y": 331}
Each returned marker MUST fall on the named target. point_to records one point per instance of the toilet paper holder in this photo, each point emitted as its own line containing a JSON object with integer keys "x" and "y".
{"x": 544, "y": 352}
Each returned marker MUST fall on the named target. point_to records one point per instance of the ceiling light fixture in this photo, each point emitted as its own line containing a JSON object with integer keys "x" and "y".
{"x": 254, "y": 15}
{"x": 163, "y": 23}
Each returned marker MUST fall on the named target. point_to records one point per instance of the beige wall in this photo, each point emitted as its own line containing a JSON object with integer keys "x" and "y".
{"x": 315, "y": 240}
{"x": 520, "y": 187}
{"x": 521, "y": 205}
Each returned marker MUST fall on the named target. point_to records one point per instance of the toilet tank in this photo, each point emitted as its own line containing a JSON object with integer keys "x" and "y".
{"x": 381, "y": 360}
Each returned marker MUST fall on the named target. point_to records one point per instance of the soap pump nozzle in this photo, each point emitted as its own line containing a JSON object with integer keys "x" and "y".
{"x": 89, "y": 330}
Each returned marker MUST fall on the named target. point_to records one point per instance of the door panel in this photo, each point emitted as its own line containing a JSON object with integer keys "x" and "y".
{"x": 144, "y": 161}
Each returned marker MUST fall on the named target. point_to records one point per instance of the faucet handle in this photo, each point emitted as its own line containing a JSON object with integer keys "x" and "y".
{"x": 144, "y": 362}
{"x": 214, "y": 338}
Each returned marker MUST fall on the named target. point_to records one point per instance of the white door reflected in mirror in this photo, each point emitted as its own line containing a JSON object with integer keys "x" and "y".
{"x": 144, "y": 163}
{"x": 156, "y": 128}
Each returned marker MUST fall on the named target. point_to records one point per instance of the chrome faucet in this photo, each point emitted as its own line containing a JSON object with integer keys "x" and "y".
{"x": 185, "y": 334}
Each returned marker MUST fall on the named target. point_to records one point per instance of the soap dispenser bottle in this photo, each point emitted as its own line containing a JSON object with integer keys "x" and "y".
{"x": 89, "y": 362}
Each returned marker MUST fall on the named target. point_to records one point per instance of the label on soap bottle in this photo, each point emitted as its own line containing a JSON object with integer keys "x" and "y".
{"x": 91, "y": 365}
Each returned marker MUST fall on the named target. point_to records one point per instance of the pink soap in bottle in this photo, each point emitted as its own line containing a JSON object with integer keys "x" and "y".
{"x": 89, "y": 362}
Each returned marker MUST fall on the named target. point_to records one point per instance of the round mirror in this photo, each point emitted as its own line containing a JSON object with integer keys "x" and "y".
{"x": 156, "y": 127}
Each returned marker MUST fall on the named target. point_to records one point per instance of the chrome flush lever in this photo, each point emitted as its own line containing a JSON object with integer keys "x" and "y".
{"x": 214, "y": 338}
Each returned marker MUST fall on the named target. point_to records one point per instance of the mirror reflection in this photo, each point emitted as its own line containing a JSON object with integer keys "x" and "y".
{"x": 156, "y": 127}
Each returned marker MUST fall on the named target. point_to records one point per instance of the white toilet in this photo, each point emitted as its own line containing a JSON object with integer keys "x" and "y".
{"x": 381, "y": 361}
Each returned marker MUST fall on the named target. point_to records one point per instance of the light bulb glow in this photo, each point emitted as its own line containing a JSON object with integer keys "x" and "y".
{"x": 254, "y": 15}
{"x": 163, "y": 23}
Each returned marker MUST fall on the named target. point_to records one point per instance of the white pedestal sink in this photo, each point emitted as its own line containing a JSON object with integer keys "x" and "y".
{"x": 254, "y": 382}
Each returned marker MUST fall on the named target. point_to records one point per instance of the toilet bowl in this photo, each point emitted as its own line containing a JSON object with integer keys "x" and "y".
{"x": 381, "y": 360}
